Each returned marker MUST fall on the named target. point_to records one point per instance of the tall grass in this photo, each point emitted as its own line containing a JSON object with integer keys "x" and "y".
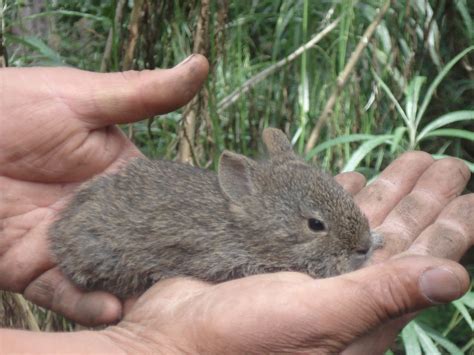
{"x": 410, "y": 88}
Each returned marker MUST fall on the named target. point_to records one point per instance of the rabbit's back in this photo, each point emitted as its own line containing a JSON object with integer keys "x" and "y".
{"x": 118, "y": 230}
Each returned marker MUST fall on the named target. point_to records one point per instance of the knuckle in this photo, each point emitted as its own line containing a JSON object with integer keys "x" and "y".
{"x": 389, "y": 297}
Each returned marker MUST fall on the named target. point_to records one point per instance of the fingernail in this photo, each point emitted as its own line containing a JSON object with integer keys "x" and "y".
{"x": 440, "y": 285}
{"x": 184, "y": 61}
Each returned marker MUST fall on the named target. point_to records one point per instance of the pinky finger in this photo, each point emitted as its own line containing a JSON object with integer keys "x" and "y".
{"x": 352, "y": 182}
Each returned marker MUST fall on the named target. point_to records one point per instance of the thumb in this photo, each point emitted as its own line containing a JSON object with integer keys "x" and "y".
{"x": 131, "y": 96}
{"x": 102, "y": 99}
{"x": 370, "y": 297}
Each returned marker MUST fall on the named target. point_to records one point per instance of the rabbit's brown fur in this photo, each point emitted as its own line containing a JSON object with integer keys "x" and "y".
{"x": 161, "y": 219}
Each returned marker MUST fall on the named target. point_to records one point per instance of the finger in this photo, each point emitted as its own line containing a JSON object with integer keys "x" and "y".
{"x": 440, "y": 183}
{"x": 23, "y": 254}
{"x": 51, "y": 290}
{"x": 388, "y": 291}
{"x": 314, "y": 314}
{"x": 380, "y": 197}
{"x": 130, "y": 96}
{"x": 352, "y": 181}
{"x": 452, "y": 234}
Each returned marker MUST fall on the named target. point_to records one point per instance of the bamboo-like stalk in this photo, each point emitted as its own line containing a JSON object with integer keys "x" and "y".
{"x": 134, "y": 32}
{"x": 3, "y": 50}
{"x": 229, "y": 100}
{"x": 187, "y": 132}
{"x": 110, "y": 38}
{"x": 344, "y": 75}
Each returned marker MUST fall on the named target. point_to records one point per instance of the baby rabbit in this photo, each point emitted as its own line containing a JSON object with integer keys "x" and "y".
{"x": 160, "y": 219}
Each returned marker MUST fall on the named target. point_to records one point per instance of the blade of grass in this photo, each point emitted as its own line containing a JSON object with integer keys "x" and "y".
{"x": 336, "y": 141}
{"x": 444, "y": 120}
{"x": 410, "y": 124}
{"x": 38, "y": 45}
{"x": 412, "y": 96}
{"x": 451, "y": 132}
{"x": 410, "y": 340}
{"x": 437, "y": 81}
{"x": 442, "y": 341}
{"x": 365, "y": 149}
{"x": 461, "y": 307}
{"x": 425, "y": 341}
{"x": 397, "y": 138}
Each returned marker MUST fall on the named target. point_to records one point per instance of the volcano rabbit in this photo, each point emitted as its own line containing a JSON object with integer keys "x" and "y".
{"x": 160, "y": 219}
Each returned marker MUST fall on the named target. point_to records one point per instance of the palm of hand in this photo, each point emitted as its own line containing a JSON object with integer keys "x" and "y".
{"x": 31, "y": 196}
{"x": 57, "y": 132}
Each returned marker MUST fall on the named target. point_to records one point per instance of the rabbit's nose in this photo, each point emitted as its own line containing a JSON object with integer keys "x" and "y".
{"x": 377, "y": 240}
{"x": 364, "y": 246}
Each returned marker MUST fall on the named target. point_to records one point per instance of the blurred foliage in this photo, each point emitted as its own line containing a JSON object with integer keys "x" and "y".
{"x": 412, "y": 87}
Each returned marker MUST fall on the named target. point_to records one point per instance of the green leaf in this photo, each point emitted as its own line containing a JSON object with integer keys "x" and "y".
{"x": 465, "y": 312}
{"x": 464, "y": 11}
{"x": 412, "y": 96}
{"x": 365, "y": 149}
{"x": 336, "y": 141}
{"x": 392, "y": 98}
{"x": 397, "y": 137}
{"x": 451, "y": 132}
{"x": 444, "y": 120}
{"x": 468, "y": 299}
{"x": 104, "y": 19}
{"x": 437, "y": 81}
{"x": 426, "y": 343}
{"x": 441, "y": 340}
{"x": 38, "y": 45}
{"x": 410, "y": 340}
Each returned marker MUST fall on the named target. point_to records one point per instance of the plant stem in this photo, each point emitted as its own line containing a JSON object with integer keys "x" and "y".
{"x": 344, "y": 75}
{"x": 229, "y": 100}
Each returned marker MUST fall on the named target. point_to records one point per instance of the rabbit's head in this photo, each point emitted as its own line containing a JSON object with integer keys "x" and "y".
{"x": 294, "y": 216}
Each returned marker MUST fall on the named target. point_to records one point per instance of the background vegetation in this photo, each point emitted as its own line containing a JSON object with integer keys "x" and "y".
{"x": 374, "y": 79}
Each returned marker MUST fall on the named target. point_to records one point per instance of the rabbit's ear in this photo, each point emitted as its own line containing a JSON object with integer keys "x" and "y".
{"x": 235, "y": 175}
{"x": 277, "y": 143}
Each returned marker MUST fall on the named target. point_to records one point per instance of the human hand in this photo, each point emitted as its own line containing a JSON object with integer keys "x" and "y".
{"x": 57, "y": 131}
{"x": 413, "y": 204}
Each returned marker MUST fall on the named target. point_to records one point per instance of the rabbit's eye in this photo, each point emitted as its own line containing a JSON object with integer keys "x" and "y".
{"x": 316, "y": 225}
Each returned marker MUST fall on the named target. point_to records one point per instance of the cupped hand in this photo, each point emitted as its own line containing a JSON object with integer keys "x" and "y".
{"x": 57, "y": 131}
{"x": 414, "y": 204}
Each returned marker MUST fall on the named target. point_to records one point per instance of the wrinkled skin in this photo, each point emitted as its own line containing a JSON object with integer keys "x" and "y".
{"x": 53, "y": 123}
